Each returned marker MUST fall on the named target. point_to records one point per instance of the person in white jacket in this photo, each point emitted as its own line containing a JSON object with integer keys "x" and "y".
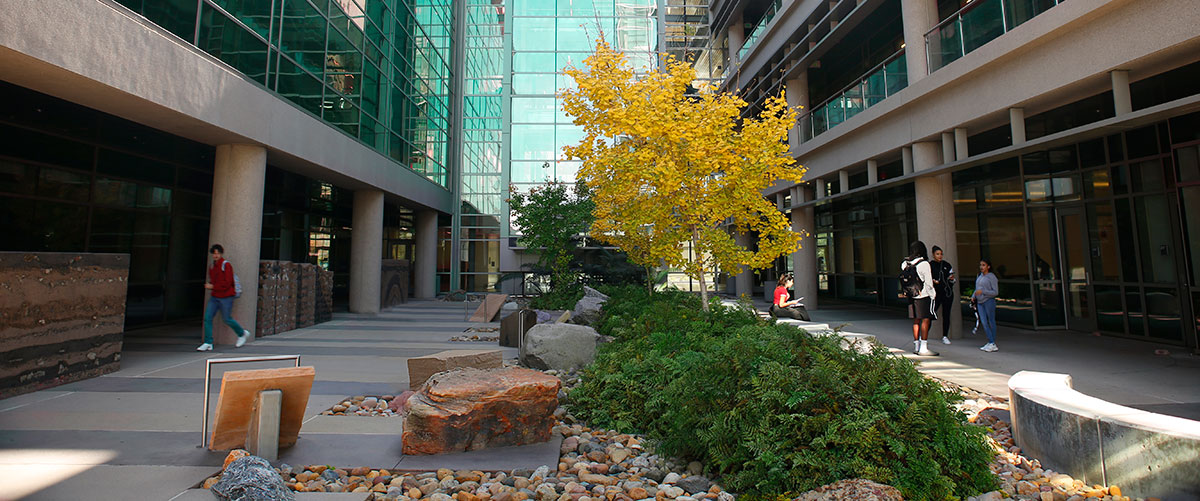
{"x": 921, "y": 309}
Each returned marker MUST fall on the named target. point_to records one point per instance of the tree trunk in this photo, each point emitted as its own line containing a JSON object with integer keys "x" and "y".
{"x": 650, "y": 276}
{"x": 703, "y": 286}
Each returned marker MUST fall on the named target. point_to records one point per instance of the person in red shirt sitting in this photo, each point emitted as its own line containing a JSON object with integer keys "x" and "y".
{"x": 221, "y": 283}
{"x": 782, "y": 306}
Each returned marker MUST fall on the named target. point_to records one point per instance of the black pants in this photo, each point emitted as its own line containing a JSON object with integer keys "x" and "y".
{"x": 942, "y": 306}
{"x": 793, "y": 312}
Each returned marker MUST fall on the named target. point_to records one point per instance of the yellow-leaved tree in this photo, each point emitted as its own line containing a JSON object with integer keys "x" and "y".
{"x": 669, "y": 168}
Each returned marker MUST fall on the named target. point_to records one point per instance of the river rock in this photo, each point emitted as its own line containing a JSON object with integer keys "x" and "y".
{"x": 857, "y": 489}
{"x": 251, "y": 478}
{"x": 470, "y": 409}
{"x": 560, "y": 346}
{"x": 694, "y": 484}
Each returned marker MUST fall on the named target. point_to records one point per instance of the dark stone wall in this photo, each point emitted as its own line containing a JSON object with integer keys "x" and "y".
{"x": 292, "y": 296}
{"x": 62, "y": 316}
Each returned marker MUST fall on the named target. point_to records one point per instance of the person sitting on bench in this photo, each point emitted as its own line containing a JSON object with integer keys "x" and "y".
{"x": 782, "y": 307}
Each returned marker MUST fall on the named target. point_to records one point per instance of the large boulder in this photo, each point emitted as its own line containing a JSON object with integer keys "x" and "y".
{"x": 470, "y": 409}
{"x": 587, "y": 309}
{"x": 251, "y": 478}
{"x": 560, "y": 346}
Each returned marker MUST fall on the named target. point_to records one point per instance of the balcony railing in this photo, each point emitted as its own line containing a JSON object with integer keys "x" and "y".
{"x": 877, "y": 84}
{"x": 978, "y": 23}
{"x": 758, "y": 30}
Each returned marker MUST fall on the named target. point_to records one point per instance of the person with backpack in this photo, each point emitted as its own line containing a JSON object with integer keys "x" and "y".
{"x": 986, "y": 290}
{"x": 916, "y": 282}
{"x": 225, "y": 287}
{"x": 782, "y": 307}
{"x": 943, "y": 284}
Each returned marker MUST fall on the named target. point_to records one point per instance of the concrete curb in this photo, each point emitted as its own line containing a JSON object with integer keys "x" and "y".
{"x": 1099, "y": 442}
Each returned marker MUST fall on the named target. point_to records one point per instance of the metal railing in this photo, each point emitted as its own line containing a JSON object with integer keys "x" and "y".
{"x": 977, "y": 23}
{"x": 881, "y": 81}
{"x": 758, "y": 30}
{"x": 208, "y": 375}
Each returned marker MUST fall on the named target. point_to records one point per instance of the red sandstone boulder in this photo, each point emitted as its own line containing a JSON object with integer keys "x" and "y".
{"x": 469, "y": 409}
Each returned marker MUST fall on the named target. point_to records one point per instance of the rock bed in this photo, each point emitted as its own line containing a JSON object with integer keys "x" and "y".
{"x": 1021, "y": 477}
{"x": 368, "y": 405}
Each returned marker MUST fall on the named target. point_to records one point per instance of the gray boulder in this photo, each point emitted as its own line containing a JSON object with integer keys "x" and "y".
{"x": 560, "y": 346}
{"x": 251, "y": 478}
{"x": 587, "y": 309}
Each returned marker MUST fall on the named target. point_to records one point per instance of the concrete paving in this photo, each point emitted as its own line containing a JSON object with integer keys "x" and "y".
{"x": 1120, "y": 370}
{"x": 135, "y": 434}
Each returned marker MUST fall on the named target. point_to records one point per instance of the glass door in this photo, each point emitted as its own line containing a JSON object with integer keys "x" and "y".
{"x": 1077, "y": 273}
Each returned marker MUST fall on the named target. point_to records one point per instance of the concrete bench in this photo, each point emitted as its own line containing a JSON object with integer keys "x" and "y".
{"x": 1099, "y": 442}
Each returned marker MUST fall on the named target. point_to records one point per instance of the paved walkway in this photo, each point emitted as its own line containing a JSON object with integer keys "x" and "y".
{"x": 1122, "y": 371}
{"x": 135, "y": 434}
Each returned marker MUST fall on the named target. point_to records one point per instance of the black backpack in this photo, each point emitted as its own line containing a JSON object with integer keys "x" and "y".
{"x": 910, "y": 282}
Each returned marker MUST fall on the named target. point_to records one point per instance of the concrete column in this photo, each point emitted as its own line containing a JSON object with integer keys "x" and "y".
{"x": 1016, "y": 119}
{"x": 366, "y": 251}
{"x": 1121, "y": 100}
{"x": 919, "y": 16}
{"x": 239, "y": 175}
{"x": 745, "y": 280}
{"x": 947, "y": 147}
{"x": 935, "y": 222}
{"x": 960, "y": 143}
{"x": 820, "y": 189}
{"x": 424, "y": 265}
{"x": 797, "y": 97}
{"x": 779, "y": 199}
{"x": 872, "y": 172}
{"x": 804, "y": 260}
{"x": 737, "y": 37}
{"x": 843, "y": 181}
{"x": 906, "y": 159}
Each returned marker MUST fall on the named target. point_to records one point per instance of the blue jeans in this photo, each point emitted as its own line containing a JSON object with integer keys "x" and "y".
{"x": 987, "y": 317}
{"x": 225, "y": 306}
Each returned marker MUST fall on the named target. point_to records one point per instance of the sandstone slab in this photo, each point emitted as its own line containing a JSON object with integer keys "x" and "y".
{"x": 471, "y": 409}
{"x": 239, "y": 391}
{"x": 489, "y": 308}
{"x": 421, "y": 368}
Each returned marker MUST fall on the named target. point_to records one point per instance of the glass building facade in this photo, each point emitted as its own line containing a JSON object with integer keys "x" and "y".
{"x": 379, "y": 70}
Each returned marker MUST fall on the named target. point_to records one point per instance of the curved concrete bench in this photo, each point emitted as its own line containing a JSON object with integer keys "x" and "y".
{"x": 1099, "y": 442}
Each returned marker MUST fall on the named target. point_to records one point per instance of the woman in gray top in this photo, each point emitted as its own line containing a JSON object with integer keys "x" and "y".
{"x": 986, "y": 289}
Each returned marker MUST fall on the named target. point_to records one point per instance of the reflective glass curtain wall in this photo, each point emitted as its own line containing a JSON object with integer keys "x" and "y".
{"x": 379, "y": 70}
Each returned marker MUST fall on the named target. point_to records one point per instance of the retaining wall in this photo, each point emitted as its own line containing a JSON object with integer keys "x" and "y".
{"x": 1099, "y": 442}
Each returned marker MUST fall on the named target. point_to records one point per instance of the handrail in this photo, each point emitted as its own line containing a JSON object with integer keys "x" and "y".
{"x": 756, "y": 33}
{"x": 857, "y": 82}
{"x": 957, "y": 17}
{"x": 957, "y": 14}
{"x": 208, "y": 375}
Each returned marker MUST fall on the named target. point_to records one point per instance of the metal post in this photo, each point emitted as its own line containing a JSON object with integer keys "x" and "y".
{"x": 962, "y": 37}
{"x": 208, "y": 375}
{"x": 1003, "y": 17}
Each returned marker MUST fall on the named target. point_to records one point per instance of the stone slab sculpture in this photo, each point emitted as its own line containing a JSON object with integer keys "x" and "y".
{"x": 421, "y": 368}
{"x": 560, "y": 346}
{"x": 512, "y": 327}
{"x": 62, "y": 318}
{"x": 471, "y": 409}
{"x": 394, "y": 282}
{"x": 490, "y": 307}
{"x": 235, "y": 404}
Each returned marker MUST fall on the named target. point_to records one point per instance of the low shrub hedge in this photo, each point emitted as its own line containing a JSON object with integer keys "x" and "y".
{"x": 772, "y": 409}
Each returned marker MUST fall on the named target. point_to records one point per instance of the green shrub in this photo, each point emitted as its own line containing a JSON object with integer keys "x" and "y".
{"x": 773, "y": 409}
{"x": 559, "y": 298}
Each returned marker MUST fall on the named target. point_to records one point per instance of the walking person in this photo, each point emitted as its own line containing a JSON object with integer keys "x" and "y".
{"x": 223, "y": 285}
{"x": 943, "y": 283}
{"x": 984, "y": 297}
{"x": 916, "y": 280}
{"x": 782, "y": 307}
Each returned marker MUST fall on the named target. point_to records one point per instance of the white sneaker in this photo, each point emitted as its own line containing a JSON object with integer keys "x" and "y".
{"x": 204, "y": 347}
{"x": 986, "y": 347}
{"x": 927, "y": 353}
{"x": 992, "y": 347}
{"x": 945, "y": 340}
{"x": 241, "y": 340}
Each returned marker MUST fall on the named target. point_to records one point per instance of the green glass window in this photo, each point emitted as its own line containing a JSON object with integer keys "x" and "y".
{"x": 229, "y": 42}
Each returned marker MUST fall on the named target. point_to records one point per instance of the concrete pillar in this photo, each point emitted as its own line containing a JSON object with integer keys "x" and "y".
{"x": 935, "y": 223}
{"x": 744, "y": 283}
{"x": 843, "y": 181}
{"x": 947, "y": 147}
{"x": 424, "y": 265}
{"x": 366, "y": 251}
{"x": 820, "y": 188}
{"x": 1121, "y": 100}
{"x": 804, "y": 260}
{"x": 1016, "y": 119}
{"x": 906, "y": 159}
{"x": 737, "y": 37}
{"x": 960, "y": 143}
{"x": 239, "y": 175}
{"x": 779, "y": 199}
{"x": 872, "y": 172}
{"x": 797, "y": 97}
{"x": 919, "y": 16}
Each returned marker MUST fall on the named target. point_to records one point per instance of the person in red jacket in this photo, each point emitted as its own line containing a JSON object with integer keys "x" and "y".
{"x": 221, "y": 284}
